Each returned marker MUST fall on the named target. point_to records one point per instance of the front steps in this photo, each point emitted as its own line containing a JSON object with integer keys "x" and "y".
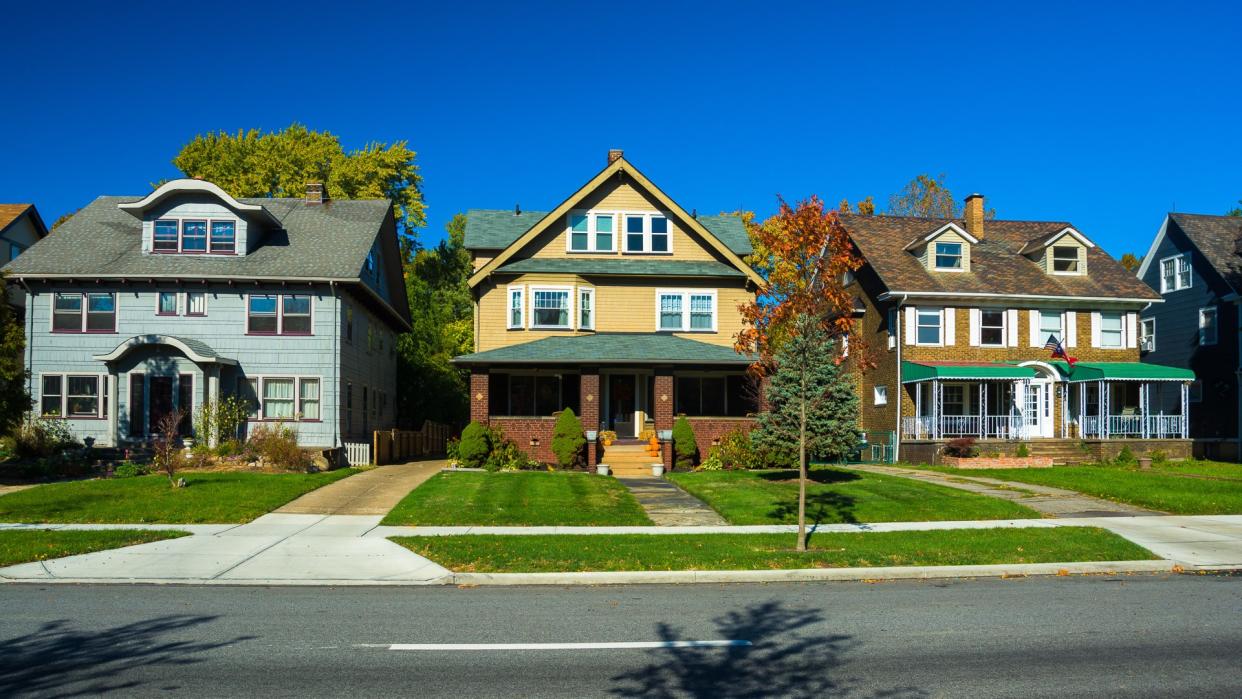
{"x": 629, "y": 460}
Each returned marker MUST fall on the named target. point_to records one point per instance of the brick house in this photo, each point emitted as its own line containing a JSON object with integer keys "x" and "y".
{"x": 957, "y": 314}
{"x": 617, "y": 303}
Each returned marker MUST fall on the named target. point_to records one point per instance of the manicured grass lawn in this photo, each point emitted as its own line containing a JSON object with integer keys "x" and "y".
{"x": 226, "y": 497}
{"x": 570, "y": 553}
{"x": 836, "y": 495}
{"x": 1161, "y": 488}
{"x": 25, "y": 546}
{"x": 528, "y": 498}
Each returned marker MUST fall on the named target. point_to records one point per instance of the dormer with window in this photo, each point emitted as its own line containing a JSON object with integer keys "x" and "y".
{"x": 1063, "y": 253}
{"x": 946, "y": 249}
{"x": 194, "y": 217}
{"x": 627, "y": 232}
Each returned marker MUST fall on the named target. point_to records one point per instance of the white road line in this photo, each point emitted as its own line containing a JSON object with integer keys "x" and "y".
{"x": 569, "y": 646}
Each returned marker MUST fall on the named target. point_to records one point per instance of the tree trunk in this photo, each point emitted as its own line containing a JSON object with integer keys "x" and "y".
{"x": 802, "y": 466}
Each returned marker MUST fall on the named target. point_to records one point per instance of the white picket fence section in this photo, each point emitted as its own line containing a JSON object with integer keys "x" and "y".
{"x": 357, "y": 453}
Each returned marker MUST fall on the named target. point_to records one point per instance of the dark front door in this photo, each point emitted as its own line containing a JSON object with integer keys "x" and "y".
{"x": 161, "y": 401}
{"x": 622, "y": 402}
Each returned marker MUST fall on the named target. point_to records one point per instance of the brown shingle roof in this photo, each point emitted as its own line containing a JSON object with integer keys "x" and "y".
{"x": 10, "y": 213}
{"x": 1215, "y": 237}
{"x": 996, "y": 267}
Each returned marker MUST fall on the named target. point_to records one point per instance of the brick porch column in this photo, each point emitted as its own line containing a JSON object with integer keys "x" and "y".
{"x": 664, "y": 413}
{"x": 588, "y": 402}
{"x": 479, "y": 399}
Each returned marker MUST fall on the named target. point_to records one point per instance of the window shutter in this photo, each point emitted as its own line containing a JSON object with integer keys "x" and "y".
{"x": 974, "y": 327}
{"x": 911, "y": 312}
{"x": 1033, "y": 316}
{"x": 1071, "y": 329}
{"x": 1131, "y": 330}
{"x": 950, "y": 327}
{"x": 1011, "y": 325}
{"x": 1095, "y": 328}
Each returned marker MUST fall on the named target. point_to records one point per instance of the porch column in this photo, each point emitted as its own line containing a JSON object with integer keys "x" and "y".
{"x": 1063, "y": 391}
{"x": 1105, "y": 399}
{"x": 213, "y": 395}
{"x": 588, "y": 403}
{"x": 983, "y": 410}
{"x": 1082, "y": 409}
{"x": 1185, "y": 410}
{"x": 1144, "y": 401}
{"x": 479, "y": 400}
{"x": 918, "y": 410}
{"x": 936, "y": 408}
{"x": 664, "y": 414}
{"x": 112, "y": 410}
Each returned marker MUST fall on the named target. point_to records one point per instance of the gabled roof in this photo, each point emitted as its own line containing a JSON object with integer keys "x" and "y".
{"x": 493, "y": 229}
{"x": 620, "y": 165}
{"x": 10, "y": 213}
{"x": 610, "y": 348}
{"x": 939, "y": 232}
{"x": 1044, "y": 241}
{"x": 1215, "y": 237}
{"x": 173, "y": 188}
{"x": 620, "y": 267}
{"x": 997, "y": 267}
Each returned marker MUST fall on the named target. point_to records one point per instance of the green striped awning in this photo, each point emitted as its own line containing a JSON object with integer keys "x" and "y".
{"x": 1124, "y": 371}
{"x": 915, "y": 372}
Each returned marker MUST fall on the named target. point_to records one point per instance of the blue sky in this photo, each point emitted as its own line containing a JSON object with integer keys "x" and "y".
{"x": 1104, "y": 116}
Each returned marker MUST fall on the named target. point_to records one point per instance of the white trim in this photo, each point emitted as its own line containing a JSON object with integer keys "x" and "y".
{"x": 1155, "y": 244}
{"x": 591, "y": 215}
{"x": 1177, "y": 272}
{"x": 940, "y": 312}
{"x": 297, "y": 396}
{"x": 976, "y": 316}
{"x": 879, "y": 395}
{"x": 647, "y": 216}
{"x": 911, "y": 325}
{"x": 950, "y": 326}
{"x": 1145, "y": 337}
{"x": 1099, "y": 331}
{"x": 979, "y": 327}
{"x": 1070, "y": 324}
{"x": 1070, "y": 231}
{"x": 1095, "y": 329}
{"x": 940, "y": 231}
{"x": 100, "y": 405}
{"x": 933, "y": 254}
{"x": 1033, "y": 327}
{"x": 583, "y": 292}
{"x": 891, "y": 318}
{"x": 1203, "y": 342}
{"x": 1080, "y": 261}
{"x": 982, "y": 295}
{"x": 569, "y": 318}
{"x": 685, "y": 309}
{"x": 1130, "y": 328}
{"x": 521, "y": 292}
{"x": 1012, "y": 326}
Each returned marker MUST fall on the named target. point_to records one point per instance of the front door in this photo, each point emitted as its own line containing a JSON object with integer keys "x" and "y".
{"x": 161, "y": 401}
{"x": 622, "y": 402}
{"x": 1037, "y": 408}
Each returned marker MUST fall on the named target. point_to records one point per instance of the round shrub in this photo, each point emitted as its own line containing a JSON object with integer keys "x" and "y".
{"x": 685, "y": 448}
{"x": 568, "y": 439}
{"x": 475, "y": 445}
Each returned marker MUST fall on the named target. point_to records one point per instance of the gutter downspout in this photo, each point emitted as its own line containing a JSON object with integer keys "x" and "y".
{"x": 899, "y": 387}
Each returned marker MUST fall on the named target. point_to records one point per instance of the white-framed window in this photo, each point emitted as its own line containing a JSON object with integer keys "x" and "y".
{"x": 1147, "y": 335}
{"x": 195, "y": 303}
{"x": 284, "y": 397}
{"x": 591, "y": 231}
{"x": 550, "y": 308}
{"x": 1112, "y": 330}
{"x": 1065, "y": 259}
{"x": 686, "y": 310}
{"x": 167, "y": 304}
{"x": 881, "y": 395}
{"x": 81, "y": 396}
{"x": 992, "y": 327}
{"x": 892, "y": 328}
{"x": 586, "y": 308}
{"x": 647, "y": 233}
{"x": 929, "y": 326}
{"x": 1050, "y": 325}
{"x": 1175, "y": 273}
{"x": 77, "y": 312}
{"x": 948, "y": 256}
{"x": 516, "y": 311}
{"x": 1207, "y": 325}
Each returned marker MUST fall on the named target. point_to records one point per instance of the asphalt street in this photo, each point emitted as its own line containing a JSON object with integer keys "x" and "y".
{"x": 1163, "y": 635}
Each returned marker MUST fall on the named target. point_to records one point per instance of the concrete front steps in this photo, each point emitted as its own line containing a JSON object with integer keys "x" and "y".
{"x": 629, "y": 460}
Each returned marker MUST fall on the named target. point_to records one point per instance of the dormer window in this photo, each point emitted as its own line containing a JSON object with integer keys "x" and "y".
{"x": 194, "y": 236}
{"x": 1065, "y": 259}
{"x": 949, "y": 256}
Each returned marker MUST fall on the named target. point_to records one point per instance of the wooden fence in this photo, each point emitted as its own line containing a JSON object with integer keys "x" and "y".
{"x": 397, "y": 446}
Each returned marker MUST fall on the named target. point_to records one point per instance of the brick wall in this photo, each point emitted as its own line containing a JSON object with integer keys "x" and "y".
{"x": 478, "y": 396}
{"x": 709, "y": 429}
{"x": 522, "y": 429}
{"x": 589, "y": 403}
{"x": 664, "y": 411}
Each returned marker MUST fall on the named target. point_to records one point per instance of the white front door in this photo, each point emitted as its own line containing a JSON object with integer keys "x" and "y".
{"x": 1037, "y": 408}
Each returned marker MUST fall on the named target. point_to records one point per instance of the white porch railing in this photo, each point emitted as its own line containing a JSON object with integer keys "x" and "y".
{"x": 1131, "y": 426}
{"x": 1012, "y": 426}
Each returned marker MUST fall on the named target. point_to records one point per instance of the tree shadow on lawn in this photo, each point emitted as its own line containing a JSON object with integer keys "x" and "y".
{"x": 821, "y": 507}
{"x": 61, "y": 660}
{"x": 783, "y": 660}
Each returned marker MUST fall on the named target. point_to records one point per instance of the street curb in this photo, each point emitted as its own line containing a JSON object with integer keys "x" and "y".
{"x": 818, "y": 574}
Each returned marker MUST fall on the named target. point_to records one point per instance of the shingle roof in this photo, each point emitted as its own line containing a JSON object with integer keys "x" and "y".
{"x": 621, "y": 267}
{"x": 996, "y": 267}
{"x": 1215, "y": 237}
{"x": 489, "y": 229}
{"x": 325, "y": 241}
{"x": 11, "y": 212}
{"x": 610, "y": 348}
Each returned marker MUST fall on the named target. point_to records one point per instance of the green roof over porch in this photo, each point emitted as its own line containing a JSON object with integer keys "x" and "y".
{"x": 1122, "y": 371}
{"x": 914, "y": 372}
{"x": 610, "y": 348}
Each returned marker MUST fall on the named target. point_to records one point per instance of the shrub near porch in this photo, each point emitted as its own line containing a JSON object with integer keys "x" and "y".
{"x": 838, "y": 496}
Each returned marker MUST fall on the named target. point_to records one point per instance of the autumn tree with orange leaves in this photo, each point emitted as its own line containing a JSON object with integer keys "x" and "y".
{"x": 794, "y": 326}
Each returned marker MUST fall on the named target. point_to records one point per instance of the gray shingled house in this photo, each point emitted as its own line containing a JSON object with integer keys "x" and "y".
{"x": 140, "y": 305}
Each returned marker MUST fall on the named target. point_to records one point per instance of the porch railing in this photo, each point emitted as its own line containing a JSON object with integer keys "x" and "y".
{"x": 1011, "y": 426}
{"x": 1131, "y": 426}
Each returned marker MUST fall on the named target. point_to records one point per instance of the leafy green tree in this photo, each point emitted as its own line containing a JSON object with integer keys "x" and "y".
{"x": 685, "y": 448}
{"x": 1131, "y": 261}
{"x": 475, "y": 445}
{"x": 280, "y": 163}
{"x": 813, "y": 406}
{"x": 14, "y": 398}
{"x": 568, "y": 439}
{"x": 928, "y": 197}
{"x": 1235, "y": 211}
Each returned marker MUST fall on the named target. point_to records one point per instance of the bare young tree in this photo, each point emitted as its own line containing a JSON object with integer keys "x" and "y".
{"x": 168, "y": 457}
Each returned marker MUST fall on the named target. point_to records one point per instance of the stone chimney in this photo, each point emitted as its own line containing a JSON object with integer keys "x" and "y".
{"x": 316, "y": 193}
{"x": 974, "y": 215}
{"x": 614, "y": 154}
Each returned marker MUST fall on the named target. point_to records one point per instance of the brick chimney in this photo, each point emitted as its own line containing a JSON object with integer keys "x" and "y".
{"x": 316, "y": 193}
{"x": 614, "y": 154}
{"x": 974, "y": 215}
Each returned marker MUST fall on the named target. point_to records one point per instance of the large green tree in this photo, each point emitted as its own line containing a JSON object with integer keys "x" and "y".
{"x": 14, "y": 398}
{"x": 928, "y": 197}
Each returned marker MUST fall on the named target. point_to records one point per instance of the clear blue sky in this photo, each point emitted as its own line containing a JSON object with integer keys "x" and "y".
{"x": 1106, "y": 117}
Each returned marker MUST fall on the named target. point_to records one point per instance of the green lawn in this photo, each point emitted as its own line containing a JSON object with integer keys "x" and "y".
{"x": 570, "y": 553}
{"x": 25, "y": 546}
{"x": 226, "y": 497}
{"x": 836, "y": 495}
{"x": 1166, "y": 487}
{"x": 530, "y": 498}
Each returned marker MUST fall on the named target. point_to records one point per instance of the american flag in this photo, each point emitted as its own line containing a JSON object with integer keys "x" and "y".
{"x": 1058, "y": 350}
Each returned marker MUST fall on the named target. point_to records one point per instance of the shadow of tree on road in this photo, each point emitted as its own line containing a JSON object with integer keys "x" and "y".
{"x": 783, "y": 660}
{"x": 61, "y": 660}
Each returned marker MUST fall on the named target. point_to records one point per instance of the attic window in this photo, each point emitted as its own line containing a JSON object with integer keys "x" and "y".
{"x": 591, "y": 232}
{"x": 1065, "y": 259}
{"x": 194, "y": 236}
{"x": 949, "y": 256}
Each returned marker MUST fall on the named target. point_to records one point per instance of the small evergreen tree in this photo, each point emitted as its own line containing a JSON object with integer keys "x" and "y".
{"x": 685, "y": 448}
{"x": 568, "y": 439}
{"x": 476, "y": 444}
{"x": 14, "y": 398}
{"x": 813, "y": 408}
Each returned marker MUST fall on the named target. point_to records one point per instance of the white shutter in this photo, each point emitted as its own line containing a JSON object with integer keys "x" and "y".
{"x": 1071, "y": 329}
{"x": 1012, "y": 325}
{"x": 1095, "y": 328}
{"x": 1033, "y": 315}
{"x": 911, "y": 312}
{"x": 974, "y": 327}
{"x": 1131, "y": 330}
{"x": 950, "y": 327}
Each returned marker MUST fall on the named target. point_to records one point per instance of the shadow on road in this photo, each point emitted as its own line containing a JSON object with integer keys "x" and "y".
{"x": 783, "y": 661}
{"x": 61, "y": 660}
